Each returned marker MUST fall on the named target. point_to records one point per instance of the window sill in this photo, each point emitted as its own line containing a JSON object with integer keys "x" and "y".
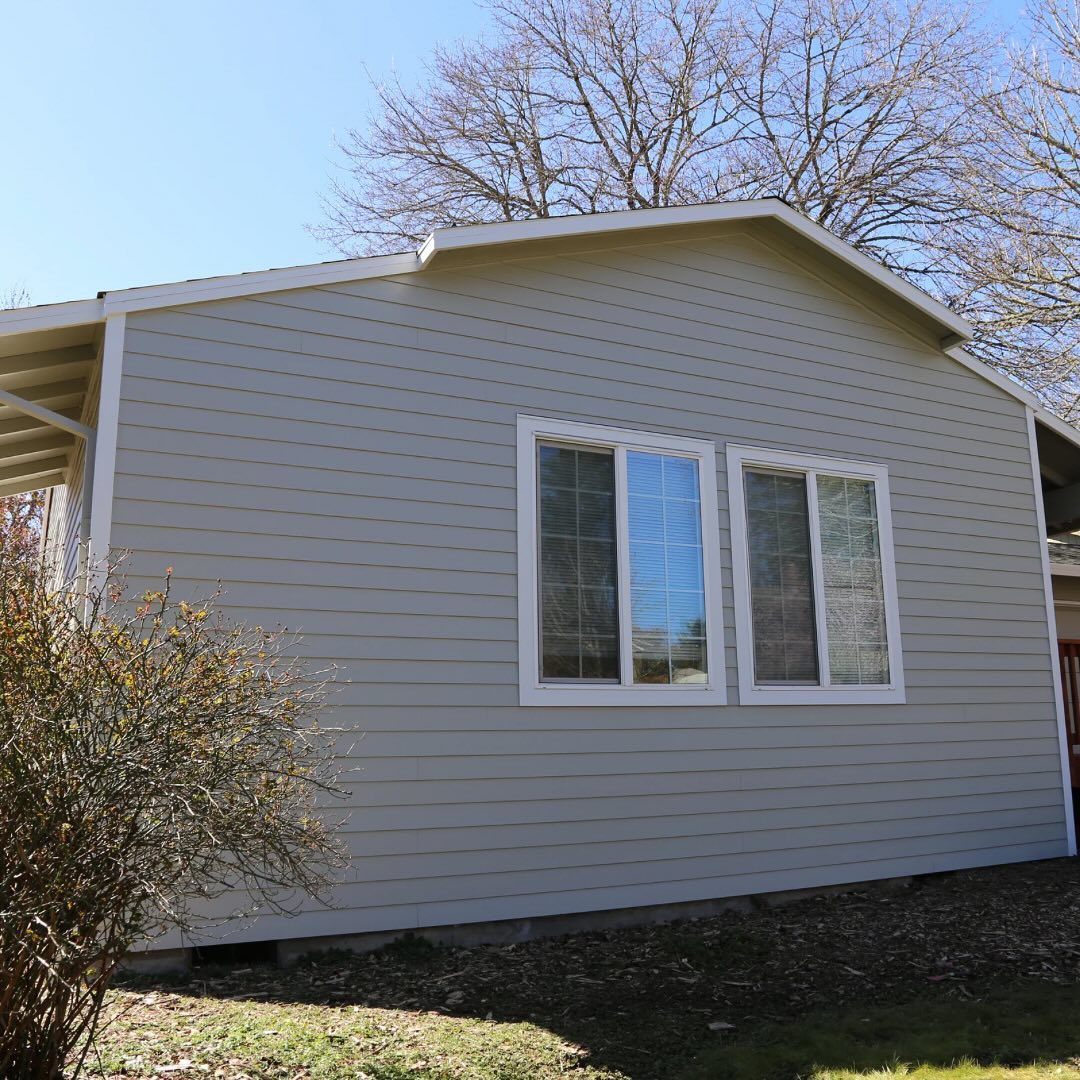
{"x": 822, "y": 695}
{"x": 629, "y": 697}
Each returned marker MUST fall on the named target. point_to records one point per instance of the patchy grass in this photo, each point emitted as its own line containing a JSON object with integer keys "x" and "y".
{"x": 166, "y": 1034}
{"x": 957, "y": 977}
{"x": 1029, "y": 1033}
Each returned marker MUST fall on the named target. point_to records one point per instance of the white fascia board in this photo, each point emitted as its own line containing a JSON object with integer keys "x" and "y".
{"x": 51, "y": 317}
{"x": 1057, "y": 425}
{"x": 496, "y": 233}
{"x": 510, "y": 232}
{"x": 1002, "y": 382}
{"x": 1014, "y": 389}
{"x": 1064, "y": 570}
{"x": 262, "y": 281}
{"x": 473, "y": 236}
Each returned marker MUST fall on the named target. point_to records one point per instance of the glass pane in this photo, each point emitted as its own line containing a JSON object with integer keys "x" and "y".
{"x": 667, "y": 586}
{"x": 781, "y": 585}
{"x": 854, "y": 594}
{"x": 578, "y": 607}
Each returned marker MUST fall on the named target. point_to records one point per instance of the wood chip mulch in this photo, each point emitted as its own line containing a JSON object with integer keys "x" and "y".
{"x": 639, "y": 999}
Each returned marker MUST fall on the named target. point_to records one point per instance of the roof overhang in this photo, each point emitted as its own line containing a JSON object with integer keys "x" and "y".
{"x": 953, "y": 330}
{"x": 45, "y": 370}
{"x": 1059, "y": 468}
{"x": 42, "y": 331}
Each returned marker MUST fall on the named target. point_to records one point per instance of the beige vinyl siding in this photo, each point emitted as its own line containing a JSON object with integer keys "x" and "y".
{"x": 342, "y": 458}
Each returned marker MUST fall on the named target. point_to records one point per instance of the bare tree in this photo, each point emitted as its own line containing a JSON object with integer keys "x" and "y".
{"x": 14, "y": 296}
{"x": 1023, "y": 282}
{"x": 858, "y": 113}
{"x": 898, "y": 125}
{"x": 573, "y": 108}
{"x": 854, "y": 111}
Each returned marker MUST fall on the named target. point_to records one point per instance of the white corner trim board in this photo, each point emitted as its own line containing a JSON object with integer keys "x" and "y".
{"x": 533, "y": 691}
{"x": 112, "y": 360}
{"x": 1051, "y": 629}
{"x": 750, "y": 691}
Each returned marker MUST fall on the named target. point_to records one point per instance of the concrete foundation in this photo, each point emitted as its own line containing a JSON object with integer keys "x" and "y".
{"x": 512, "y": 931}
{"x": 158, "y": 962}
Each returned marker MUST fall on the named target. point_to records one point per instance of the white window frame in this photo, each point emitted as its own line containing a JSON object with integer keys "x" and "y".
{"x": 533, "y": 429}
{"x": 750, "y": 692}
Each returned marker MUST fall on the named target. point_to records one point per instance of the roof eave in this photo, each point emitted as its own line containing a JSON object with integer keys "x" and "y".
{"x": 953, "y": 330}
{"x": 51, "y": 317}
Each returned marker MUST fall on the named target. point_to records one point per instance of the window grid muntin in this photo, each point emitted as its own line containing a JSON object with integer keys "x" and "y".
{"x": 861, "y": 644}
{"x": 669, "y": 548}
{"x": 620, "y": 450}
{"x": 539, "y": 447}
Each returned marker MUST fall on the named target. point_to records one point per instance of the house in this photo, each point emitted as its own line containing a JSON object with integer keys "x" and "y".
{"x": 669, "y": 555}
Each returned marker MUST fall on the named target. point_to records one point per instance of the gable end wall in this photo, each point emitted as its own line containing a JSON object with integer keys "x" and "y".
{"x": 343, "y": 459}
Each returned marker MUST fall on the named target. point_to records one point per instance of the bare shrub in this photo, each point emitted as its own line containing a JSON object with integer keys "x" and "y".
{"x": 153, "y": 757}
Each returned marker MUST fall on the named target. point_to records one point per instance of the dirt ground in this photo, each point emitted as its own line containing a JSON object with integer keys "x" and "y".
{"x": 641, "y": 1000}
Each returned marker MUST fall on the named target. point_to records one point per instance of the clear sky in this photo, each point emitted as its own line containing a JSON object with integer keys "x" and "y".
{"x": 145, "y": 141}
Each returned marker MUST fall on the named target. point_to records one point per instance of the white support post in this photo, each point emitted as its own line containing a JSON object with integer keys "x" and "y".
{"x": 102, "y": 451}
{"x": 1051, "y": 627}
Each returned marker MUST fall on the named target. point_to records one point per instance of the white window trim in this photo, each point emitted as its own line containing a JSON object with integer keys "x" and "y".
{"x": 750, "y": 693}
{"x": 533, "y": 691}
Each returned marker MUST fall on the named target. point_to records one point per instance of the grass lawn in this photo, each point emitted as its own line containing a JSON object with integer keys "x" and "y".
{"x": 175, "y": 1034}
{"x": 1030, "y": 1032}
{"x": 975, "y": 975}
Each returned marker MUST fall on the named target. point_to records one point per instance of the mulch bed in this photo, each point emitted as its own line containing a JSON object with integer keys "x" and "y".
{"x": 642, "y": 999}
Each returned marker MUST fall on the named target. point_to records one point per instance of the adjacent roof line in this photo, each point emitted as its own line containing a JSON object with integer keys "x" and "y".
{"x": 1014, "y": 389}
{"x": 260, "y": 281}
{"x": 51, "y": 317}
{"x": 472, "y": 236}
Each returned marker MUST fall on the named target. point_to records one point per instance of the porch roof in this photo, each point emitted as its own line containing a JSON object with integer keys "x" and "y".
{"x": 47, "y": 371}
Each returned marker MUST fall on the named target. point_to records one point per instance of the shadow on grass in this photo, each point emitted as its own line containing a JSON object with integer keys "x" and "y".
{"x": 1030, "y": 1032}
{"x": 516, "y": 1025}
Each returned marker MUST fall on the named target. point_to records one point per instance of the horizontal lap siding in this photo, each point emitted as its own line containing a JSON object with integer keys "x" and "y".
{"x": 343, "y": 458}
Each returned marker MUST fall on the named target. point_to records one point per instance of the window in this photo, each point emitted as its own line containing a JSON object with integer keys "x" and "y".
{"x": 815, "y": 585}
{"x": 617, "y": 539}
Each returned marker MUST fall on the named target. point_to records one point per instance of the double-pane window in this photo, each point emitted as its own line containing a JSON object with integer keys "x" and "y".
{"x": 814, "y": 579}
{"x": 621, "y": 569}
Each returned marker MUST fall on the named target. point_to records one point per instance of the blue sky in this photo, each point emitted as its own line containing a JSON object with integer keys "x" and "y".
{"x": 145, "y": 142}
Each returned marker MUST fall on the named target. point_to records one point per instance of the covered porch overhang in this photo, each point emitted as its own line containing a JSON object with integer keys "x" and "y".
{"x": 1059, "y": 474}
{"x": 46, "y": 377}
